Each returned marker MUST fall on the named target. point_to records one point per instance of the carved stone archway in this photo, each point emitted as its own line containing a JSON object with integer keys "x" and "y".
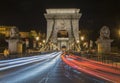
{"x": 63, "y": 19}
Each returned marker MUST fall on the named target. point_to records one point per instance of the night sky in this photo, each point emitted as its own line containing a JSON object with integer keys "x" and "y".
{"x": 28, "y": 14}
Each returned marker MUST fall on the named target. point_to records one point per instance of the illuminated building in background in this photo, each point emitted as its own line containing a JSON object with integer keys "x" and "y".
{"x": 24, "y": 34}
{"x": 6, "y": 30}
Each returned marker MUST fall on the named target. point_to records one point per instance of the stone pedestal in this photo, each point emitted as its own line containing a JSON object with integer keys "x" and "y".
{"x": 12, "y": 45}
{"x": 104, "y": 45}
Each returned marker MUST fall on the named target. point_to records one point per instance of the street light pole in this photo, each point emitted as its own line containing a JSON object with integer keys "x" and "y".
{"x": 37, "y": 39}
{"x": 82, "y": 39}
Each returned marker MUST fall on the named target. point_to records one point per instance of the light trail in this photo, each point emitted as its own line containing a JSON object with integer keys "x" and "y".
{"x": 93, "y": 65}
{"x": 24, "y": 58}
{"x": 96, "y": 62}
{"x": 95, "y": 69}
{"x": 30, "y": 72}
{"x": 19, "y": 62}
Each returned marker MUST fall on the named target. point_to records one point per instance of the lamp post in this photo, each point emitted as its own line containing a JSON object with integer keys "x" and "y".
{"x": 78, "y": 43}
{"x": 37, "y": 39}
{"x": 43, "y": 42}
{"x": 82, "y": 39}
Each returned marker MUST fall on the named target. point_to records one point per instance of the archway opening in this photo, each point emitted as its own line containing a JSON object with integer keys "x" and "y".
{"x": 62, "y": 34}
{"x": 64, "y": 48}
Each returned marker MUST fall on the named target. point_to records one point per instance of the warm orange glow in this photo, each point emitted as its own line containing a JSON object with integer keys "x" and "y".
{"x": 37, "y": 38}
{"x": 119, "y": 32}
{"x": 82, "y": 38}
{"x": 43, "y": 41}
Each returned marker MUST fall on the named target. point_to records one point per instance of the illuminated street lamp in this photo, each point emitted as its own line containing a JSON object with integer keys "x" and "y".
{"x": 81, "y": 44}
{"x": 78, "y": 41}
{"x": 82, "y": 38}
{"x": 37, "y": 38}
{"x": 43, "y": 41}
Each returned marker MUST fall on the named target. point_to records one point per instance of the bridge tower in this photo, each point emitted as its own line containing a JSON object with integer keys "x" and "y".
{"x": 62, "y": 29}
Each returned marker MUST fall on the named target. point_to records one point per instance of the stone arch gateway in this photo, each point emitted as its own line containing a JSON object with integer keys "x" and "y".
{"x": 62, "y": 19}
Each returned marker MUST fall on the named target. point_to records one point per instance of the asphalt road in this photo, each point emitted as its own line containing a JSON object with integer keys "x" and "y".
{"x": 44, "y": 68}
{"x": 36, "y": 69}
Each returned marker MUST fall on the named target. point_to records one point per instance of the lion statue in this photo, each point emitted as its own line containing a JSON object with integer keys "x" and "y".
{"x": 14, "y": 32}
{"x": 105, "y": 32}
